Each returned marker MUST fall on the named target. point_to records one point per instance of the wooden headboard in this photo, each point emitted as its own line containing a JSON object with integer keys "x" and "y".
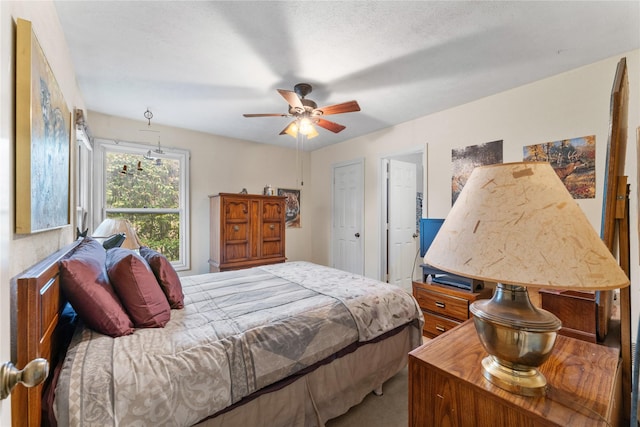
{"x": 36, "y": 305}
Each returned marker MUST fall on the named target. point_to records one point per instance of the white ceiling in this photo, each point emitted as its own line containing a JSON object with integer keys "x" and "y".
{"x": 201, "y": 65}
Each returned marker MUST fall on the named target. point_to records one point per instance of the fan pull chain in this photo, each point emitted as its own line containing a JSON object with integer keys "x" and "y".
{"x": 299, "y": 169}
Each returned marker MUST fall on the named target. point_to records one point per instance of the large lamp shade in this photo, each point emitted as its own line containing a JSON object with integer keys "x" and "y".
{"x": 516, "y": 224}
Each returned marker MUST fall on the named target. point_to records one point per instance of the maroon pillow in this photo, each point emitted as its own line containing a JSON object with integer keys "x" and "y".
{"x": 166, "y": 276}
{"x": 137, "y": 288}
{"x": 85, "y": 283}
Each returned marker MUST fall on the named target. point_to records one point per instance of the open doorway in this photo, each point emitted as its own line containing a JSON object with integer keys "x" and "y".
{"x": 401, "y": 208}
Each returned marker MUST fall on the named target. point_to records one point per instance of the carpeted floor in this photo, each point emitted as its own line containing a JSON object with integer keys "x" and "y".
{"x": 389, "y": 410}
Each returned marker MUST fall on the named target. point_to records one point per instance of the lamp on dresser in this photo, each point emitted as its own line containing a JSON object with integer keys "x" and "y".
{"x": 517, "y": 225}
{"x": 113, "y": 232}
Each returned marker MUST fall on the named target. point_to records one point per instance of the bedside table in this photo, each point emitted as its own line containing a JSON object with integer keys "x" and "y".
{"x": 447, "y": 387}
{"x": 444, "y": 307}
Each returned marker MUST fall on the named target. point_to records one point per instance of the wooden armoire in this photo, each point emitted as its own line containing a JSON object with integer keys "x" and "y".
{"x": 247, "y": 230}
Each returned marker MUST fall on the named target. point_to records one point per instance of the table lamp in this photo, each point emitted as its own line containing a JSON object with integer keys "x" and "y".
{"x": 114, "y": 226}
{"x": 517, "y": 225}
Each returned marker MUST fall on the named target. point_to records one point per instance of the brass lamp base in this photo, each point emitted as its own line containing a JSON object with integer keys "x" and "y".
{"x": 518, "y": 336}
{"x": 523, "y": 380}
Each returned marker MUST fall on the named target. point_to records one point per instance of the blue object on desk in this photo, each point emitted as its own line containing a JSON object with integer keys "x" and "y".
{"x": 429, "y": 227}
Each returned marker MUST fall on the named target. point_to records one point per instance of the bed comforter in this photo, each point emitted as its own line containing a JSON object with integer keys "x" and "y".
{"x": 239, "y": 332}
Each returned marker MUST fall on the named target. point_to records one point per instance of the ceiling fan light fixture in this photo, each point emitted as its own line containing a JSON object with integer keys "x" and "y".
{"x": 302, "y": 109}
{"x": 302, "y": 126}
{"x": 305, "y": 127}
{"x": 312, "y": 132}
{"x": 292, "y": 130}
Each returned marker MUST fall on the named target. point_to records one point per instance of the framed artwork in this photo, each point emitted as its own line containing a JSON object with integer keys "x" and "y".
{"x": 292, "y": 204}
{"x": 465, "y": 159}
{"x": 574, "y": 160}
{"x": 43, "y": 124}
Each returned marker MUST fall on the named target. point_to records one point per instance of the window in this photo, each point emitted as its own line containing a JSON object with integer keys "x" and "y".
{"x": 83, "y": 180}
{"x": 149, "y": 188}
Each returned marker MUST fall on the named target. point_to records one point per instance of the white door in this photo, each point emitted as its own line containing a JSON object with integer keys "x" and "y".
{"x": 347, "y": 216}
{"x": 402, "y": 241}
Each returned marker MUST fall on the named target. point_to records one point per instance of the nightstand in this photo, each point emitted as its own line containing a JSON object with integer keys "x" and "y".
{"x": 447, "y": 387}
{"x": 444, "y": 307}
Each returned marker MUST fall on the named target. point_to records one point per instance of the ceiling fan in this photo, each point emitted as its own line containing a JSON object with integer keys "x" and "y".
{"x": 307, "y": 114}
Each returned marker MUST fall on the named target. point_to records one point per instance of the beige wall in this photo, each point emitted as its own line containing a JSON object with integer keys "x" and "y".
{"x": 17, "y": 252}
{"x": 568, "y": 105}
{"x": 220, "y": 164}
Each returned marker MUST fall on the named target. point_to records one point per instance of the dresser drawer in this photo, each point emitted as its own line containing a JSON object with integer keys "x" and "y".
{"x": 271, "y": 230}
{"x": 439, "y": 303}
{"x": 435, "y": 325}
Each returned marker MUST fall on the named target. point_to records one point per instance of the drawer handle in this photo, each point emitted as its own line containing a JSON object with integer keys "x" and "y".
{"x": 440, "y": 328}
{"x": 236, "y": 228}
{"x": 440, "y": 304}
{"x": 272, "y": 226}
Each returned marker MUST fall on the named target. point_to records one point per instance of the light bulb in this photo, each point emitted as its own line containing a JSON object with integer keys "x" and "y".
{"x": 305, "y": 126}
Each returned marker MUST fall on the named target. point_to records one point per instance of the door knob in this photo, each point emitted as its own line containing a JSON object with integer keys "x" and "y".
{"x": 357, "y": 234}
{"x": 33, "y": 374}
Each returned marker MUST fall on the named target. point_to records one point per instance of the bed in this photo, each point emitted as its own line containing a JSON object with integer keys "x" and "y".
{"x": 280, "y": 345}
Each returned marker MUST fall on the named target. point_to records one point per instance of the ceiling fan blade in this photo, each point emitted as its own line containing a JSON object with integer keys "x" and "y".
{"x": 345, "y": 107}
{"x": 332, "y": 126}
{"x": 266, "y": 115}
{"x": 292, "y": 98}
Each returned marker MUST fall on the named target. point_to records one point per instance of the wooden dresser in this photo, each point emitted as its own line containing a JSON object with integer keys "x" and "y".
{"x": 246, "y": 231}
{"x": 444, "y": 307}
{"x": 447, "y": 388}
{"x": 577, "y": 310}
